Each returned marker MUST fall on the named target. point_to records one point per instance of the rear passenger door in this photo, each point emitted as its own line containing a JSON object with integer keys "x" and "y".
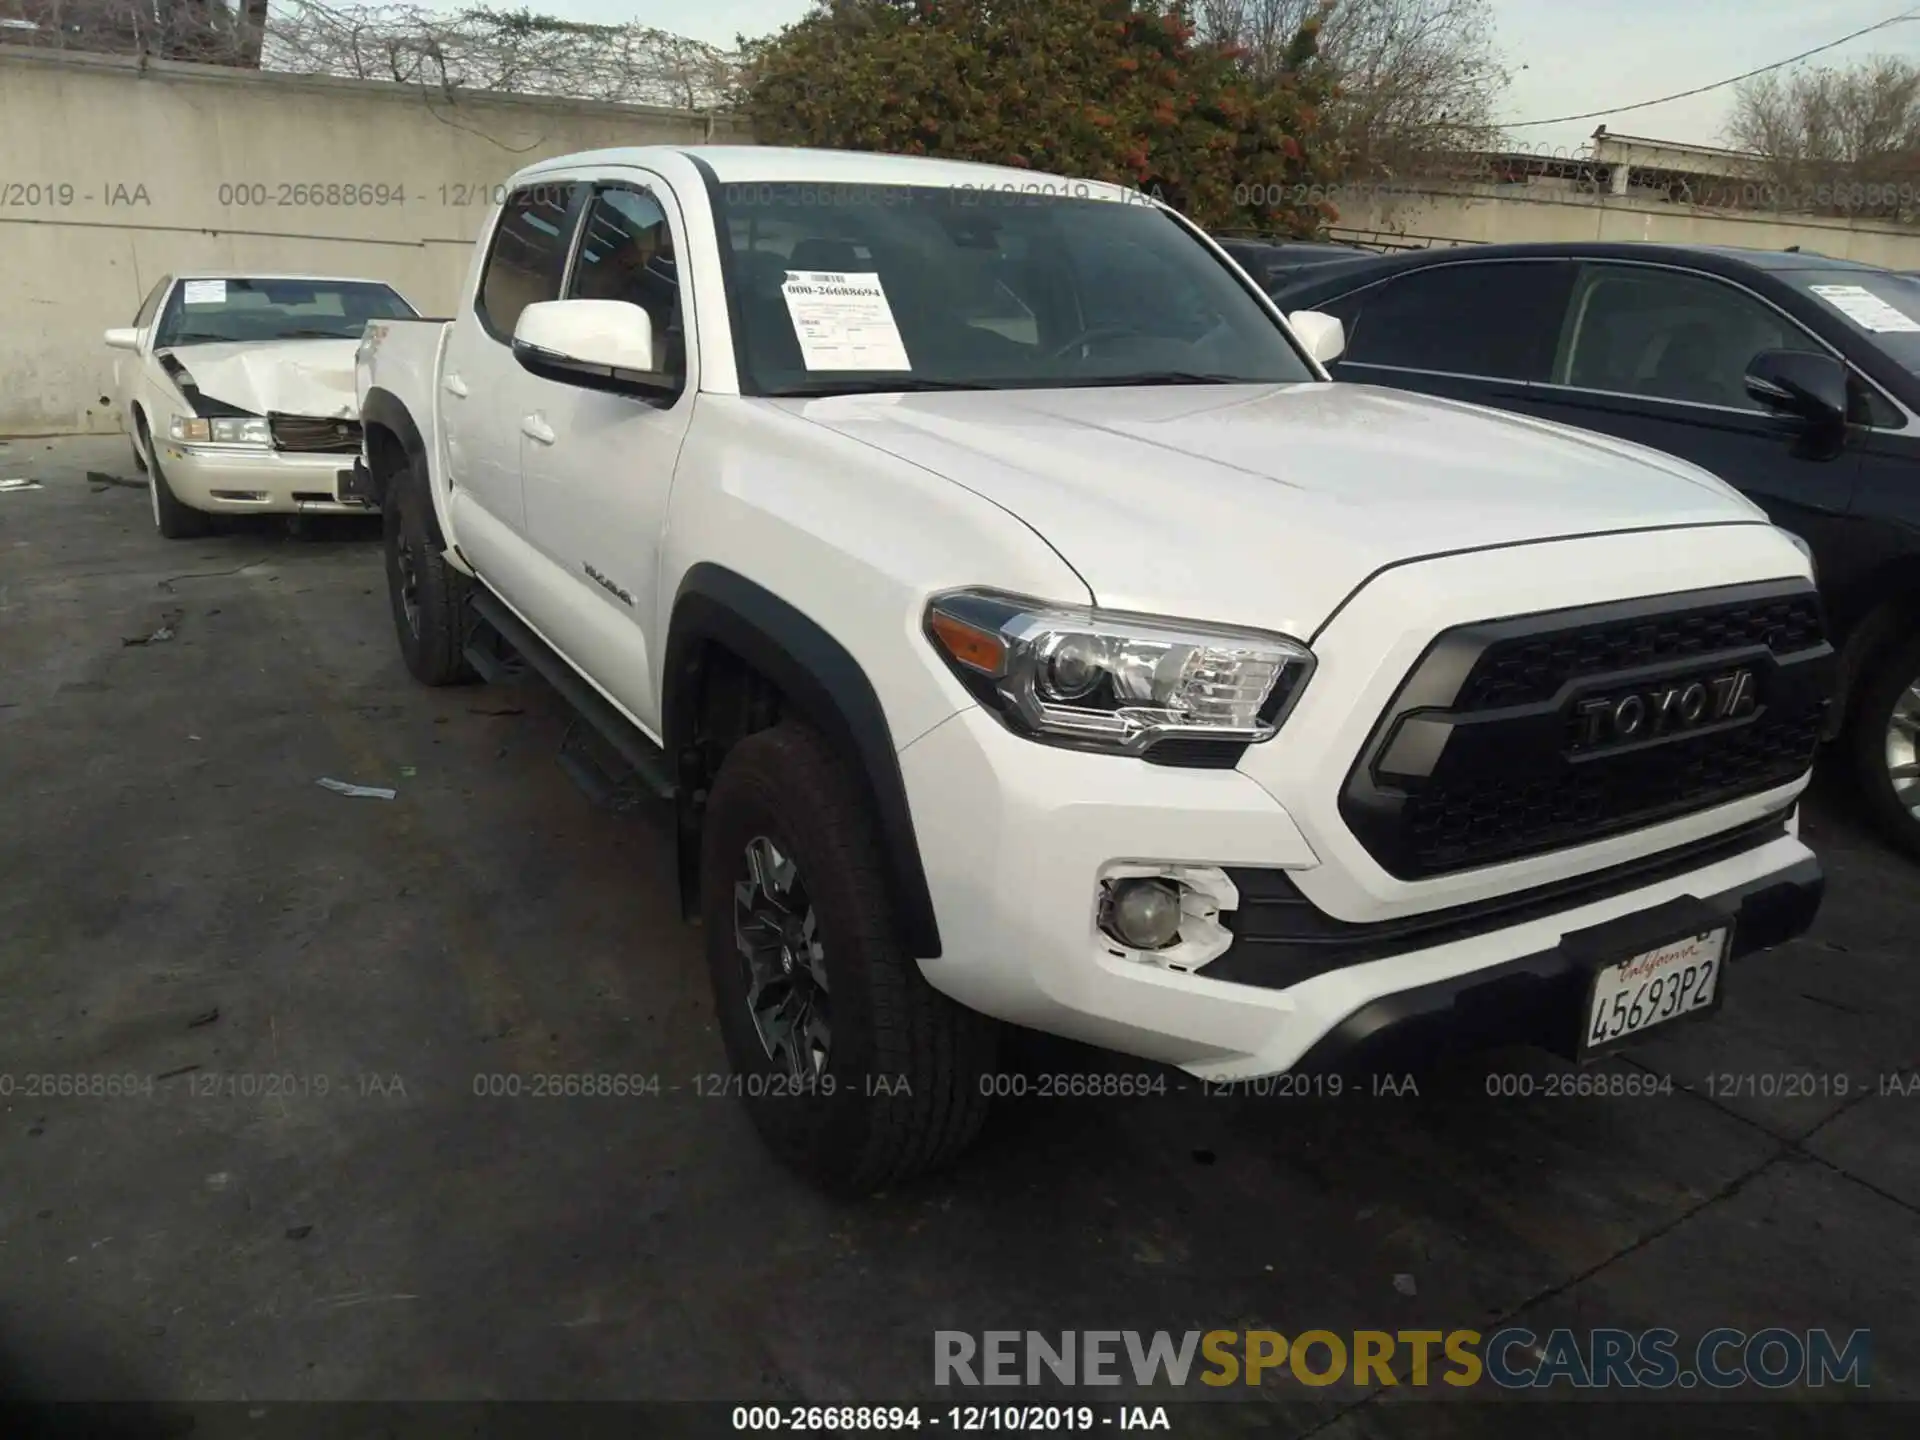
{"x": 1476, "y": 330}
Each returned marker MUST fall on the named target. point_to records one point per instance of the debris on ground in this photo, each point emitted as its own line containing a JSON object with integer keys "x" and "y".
{"x": 1404, "y": 1284}
{"x": 207, "y": 1019}
{"x": 20, "y": 484}
{"x": 99, "y": 478}
{"x": 369, "y": 792}
{"x": 495, "y": 710}
{"x": 159, "y": 636}
{"x": 407, "y": 772}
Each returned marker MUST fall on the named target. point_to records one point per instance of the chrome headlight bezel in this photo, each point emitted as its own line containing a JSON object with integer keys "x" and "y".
{"x": 1138, "y": 681}
{"x": 248, "y": 431}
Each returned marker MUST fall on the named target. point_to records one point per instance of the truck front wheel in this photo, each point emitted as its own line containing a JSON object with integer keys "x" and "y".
{"x": 428, "y": 595}
{"x": 857, "y": 1073}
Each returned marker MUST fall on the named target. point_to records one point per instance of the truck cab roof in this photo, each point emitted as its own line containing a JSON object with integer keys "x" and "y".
{"x": 775, "y": 164}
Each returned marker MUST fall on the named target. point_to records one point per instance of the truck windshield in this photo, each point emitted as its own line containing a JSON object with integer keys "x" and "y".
{"x": 848, "y": 288}
{"x": 206, "y": 312}
{"x": 1882, "y": 306}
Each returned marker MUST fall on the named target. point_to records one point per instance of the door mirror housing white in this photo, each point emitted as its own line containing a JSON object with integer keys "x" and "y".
{"x": 1323, "y": 335}
{"x": 598, "y": 344}
{"x": 123, "y": 337}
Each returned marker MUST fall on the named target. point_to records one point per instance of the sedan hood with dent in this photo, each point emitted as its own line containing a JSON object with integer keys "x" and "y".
{"x": 1268, "y": 505}
{"x": 290, "y": 377}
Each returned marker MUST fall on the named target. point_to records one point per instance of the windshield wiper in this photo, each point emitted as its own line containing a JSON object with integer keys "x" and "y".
{"x": 310, "y": 335}
{"x": 1156, "y": 377}
{"x": 877, "y": 387}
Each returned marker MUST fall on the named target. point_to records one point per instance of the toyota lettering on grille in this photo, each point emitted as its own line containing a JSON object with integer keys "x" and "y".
{"x": 1670, "y": 708}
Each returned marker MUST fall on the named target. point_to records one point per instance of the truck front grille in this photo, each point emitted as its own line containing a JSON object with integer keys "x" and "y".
{"x": 310, "y": 434}
{"x": 1521, "y": 736}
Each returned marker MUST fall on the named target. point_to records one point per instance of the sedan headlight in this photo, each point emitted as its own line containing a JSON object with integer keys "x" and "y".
{"x": 1102, "y": 680}
{"x": 221, "y": 430}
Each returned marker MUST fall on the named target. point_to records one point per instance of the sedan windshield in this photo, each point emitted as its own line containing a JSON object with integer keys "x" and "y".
{"x": 1881, "y": 305}
{"x": 846, "y": 288}
{"x": 204, "y": 312}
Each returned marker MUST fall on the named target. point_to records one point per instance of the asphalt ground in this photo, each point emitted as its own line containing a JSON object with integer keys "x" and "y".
{"x": 296, "y": 1188}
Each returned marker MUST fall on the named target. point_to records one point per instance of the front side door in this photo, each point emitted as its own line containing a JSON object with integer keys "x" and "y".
{"x": 1475, "y": 330}
{"x": 481, "y": 384}
{"x": 1658, "y": 355}
{"x": 130, "y": 367}
{"x": 598, "y": 466}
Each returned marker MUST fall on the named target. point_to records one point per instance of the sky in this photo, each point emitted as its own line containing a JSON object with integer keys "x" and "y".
{"x": 1566, "y": 58}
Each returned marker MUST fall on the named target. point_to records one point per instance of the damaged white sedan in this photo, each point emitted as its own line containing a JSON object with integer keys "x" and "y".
{"x": 237, "y": 391}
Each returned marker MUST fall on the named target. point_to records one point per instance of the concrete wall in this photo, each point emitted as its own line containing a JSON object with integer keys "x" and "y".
{"x": 113, "y": 175}
{"x": 1468, "y": 214}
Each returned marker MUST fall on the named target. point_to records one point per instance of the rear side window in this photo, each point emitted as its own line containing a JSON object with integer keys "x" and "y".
{"x": 1497, "y": 320}
{"x": 528, "y": 256}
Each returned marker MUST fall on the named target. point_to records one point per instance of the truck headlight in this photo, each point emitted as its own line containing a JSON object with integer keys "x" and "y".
{"x": 1103, "y": 680}
{"x": 221, "y": 430}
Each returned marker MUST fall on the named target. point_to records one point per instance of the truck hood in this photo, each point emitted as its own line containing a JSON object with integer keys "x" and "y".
{"x": 291, "y": 377}
{"x": 1268, "y": 505}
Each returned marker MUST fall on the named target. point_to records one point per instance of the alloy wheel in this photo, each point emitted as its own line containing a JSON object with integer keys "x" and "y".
{"x": 407, "y": 564}
{"x": 1903, "y": 748}
{"x": 777, "y": 933}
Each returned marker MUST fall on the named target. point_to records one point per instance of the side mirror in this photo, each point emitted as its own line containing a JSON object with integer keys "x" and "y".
{"x": 599, "y": 344}
{"x": 1800, "y": 385}
{"x": 124, "y": 337}
{"x": 1324, "y": 336}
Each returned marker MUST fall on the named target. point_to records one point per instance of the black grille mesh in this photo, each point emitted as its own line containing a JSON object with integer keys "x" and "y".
{"x": 1490, "y": 819}
{"x": 313, "y": 435}
{"x": 1524, "y": 671}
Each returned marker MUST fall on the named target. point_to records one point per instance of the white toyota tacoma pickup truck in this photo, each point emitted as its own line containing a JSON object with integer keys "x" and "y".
{"x": 1024, "y": 629}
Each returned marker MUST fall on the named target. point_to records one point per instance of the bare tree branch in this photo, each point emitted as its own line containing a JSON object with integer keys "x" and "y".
{"x": 1419, "y": 78}
{"x": 1835, "y": 140}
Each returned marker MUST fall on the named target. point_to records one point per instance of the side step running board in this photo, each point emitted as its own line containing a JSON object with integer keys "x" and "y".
{"x": 595, "y": 768}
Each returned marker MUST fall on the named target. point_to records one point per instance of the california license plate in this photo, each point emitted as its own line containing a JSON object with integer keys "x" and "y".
{"x": 1632, "y": 996}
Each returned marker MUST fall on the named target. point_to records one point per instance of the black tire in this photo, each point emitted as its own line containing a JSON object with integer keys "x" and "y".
{"x": 1882, "y": 686}
{"x": 903, "y": 1089}
{"x": 428, "y": 596}
{"x": 172, "y": 519}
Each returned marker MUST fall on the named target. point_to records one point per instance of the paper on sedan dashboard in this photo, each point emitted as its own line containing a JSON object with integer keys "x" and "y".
{"x": 843, "y": 321}
{"x": 1866, "y": 309}
{"x": 205, "y": 292}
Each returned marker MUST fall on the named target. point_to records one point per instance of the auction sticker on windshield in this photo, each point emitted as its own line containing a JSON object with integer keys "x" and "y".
{"x": 843, "y": 321}
{"x": 1651, "y": 988}
{"x": 1866, "y": 309}
{"x": 205, "y": 292}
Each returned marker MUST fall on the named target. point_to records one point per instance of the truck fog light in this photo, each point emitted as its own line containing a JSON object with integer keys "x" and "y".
{"x": 1143, "y": 913}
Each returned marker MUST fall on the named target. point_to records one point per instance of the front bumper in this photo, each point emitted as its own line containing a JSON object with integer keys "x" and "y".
{"x": 1539, "y": 999}
{"x": 1014, "y": 836}
{"x": 223, "y": 480}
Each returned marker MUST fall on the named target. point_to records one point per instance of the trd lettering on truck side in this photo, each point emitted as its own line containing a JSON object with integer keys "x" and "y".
{"x": 594, "y": 574}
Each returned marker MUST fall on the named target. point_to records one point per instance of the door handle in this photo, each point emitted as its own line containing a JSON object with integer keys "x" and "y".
{"x": 535, "y": 427}
{"x": 455, "y": 386}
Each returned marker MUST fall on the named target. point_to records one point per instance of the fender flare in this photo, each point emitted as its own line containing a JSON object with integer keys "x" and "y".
{"x": 825, "y": 685}
{"x": 388, "y": 411}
